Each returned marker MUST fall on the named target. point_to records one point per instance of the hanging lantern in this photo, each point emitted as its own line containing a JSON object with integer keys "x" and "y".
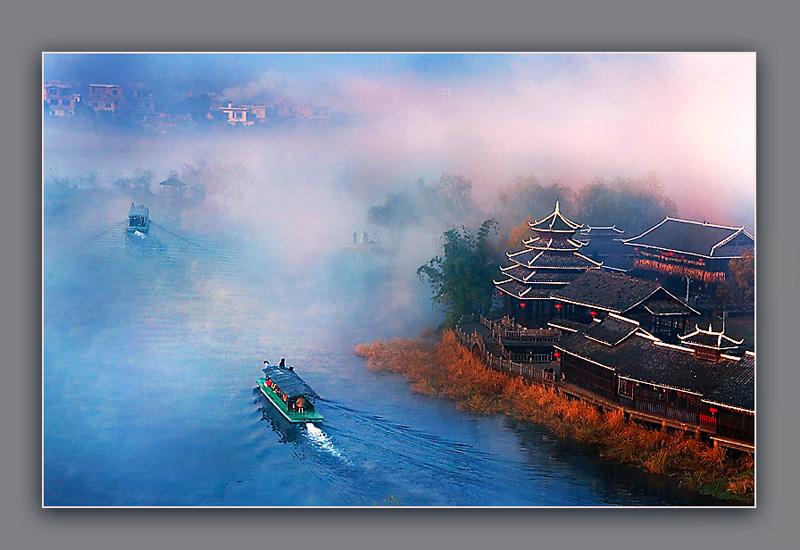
{"x": 500, "y": 292}
{"x": 712, "y": 410}
{"x": 557, "y": 354}
{"x": 558, "y": 306}
{"x": 593, "y": 313}
{"x": 522, "y": 304}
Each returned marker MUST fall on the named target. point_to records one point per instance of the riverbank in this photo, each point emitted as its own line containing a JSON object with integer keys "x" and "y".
{"x": 442, "y": 367}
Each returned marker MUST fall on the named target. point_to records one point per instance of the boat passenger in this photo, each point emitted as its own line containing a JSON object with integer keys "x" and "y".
{"x": 283, "y": 362}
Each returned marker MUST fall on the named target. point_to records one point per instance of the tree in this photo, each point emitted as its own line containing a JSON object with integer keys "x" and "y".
{"x": 632, "y": 204}
{"x": 526, "y": 197}
{"x": 739, "y": 286}
{"x": 462, "y": 278}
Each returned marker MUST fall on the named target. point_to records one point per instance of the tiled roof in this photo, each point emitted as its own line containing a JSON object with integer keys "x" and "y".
{"x": 601, "y": 231}
{"x": 529, "y": 275}
{"x": 567, "y": 325}
{"x": 638, "y": 357}
{"x": 698, "y": 238}
{"x": 667, "y": 307}
{"x": 710, "y": 339}
{"x": 544, "y": 259}
{"x": 522, "y": 291}
{"x": 608, "y": 291}
{"x": 612, "y": 330}
{"x": 555, "y": 222}
{"x": 553, "y": 244}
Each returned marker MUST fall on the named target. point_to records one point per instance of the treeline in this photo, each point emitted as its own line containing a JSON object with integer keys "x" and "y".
{"x": 446, "y": 369}
{"x": 632, "y": 204}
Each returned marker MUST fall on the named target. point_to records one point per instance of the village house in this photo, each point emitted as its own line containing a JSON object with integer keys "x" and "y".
{"x": 105, "y": 97}
{"x": 60, "y": 100}
{"x": 696, "y": 386}
{"x": 688, "y": 256}
{"x": 596, "y": 294}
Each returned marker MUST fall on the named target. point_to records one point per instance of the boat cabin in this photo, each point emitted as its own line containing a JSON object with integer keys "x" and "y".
{"x": 138, "y": 218}
{"x": 293, "y": 398}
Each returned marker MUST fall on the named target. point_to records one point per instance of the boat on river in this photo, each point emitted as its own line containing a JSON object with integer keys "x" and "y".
{"x": 138, "y": 219}
{"x": 288, "y": 393}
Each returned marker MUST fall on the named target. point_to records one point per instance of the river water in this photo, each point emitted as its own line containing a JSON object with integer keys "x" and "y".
{"x": 151, "y": 348}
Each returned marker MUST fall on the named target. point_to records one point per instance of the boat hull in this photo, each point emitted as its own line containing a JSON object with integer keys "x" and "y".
{"x": 292, "y": 416}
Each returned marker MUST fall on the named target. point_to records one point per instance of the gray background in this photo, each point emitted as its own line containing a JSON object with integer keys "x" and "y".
{"x": 769, "y": 28}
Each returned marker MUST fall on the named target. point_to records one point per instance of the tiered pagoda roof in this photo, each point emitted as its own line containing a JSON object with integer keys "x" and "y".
{"x": 549, "y": 260}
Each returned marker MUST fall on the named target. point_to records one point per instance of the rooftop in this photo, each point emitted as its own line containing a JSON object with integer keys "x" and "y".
{"x": 691, "y": 237}
{"x": 640, "y": 357}
{"x": 619, "y": 293}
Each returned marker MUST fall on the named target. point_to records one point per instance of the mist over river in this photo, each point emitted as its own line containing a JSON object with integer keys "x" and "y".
{"x": 152, "y": 344}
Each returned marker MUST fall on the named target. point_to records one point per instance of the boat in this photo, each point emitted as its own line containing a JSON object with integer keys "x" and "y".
{"x": 288, "y": 393}
{"x": 138, "y": 219}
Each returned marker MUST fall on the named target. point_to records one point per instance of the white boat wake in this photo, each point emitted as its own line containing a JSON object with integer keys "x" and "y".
{"x": 321, "y": 440}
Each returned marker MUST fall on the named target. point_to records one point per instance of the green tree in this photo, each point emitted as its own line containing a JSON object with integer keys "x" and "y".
{"x": 462, "y": 278}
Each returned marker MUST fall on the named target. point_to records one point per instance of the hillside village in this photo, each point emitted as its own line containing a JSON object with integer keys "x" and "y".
{"x": 138, "y": 103}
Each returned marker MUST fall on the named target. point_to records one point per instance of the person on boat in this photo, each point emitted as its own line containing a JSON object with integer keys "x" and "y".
{"x": 283, "y": 362}
{"x": 300, "y": 404}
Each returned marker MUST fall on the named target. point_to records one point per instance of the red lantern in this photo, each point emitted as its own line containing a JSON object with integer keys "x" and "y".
{"x": 557, "y": 355}
{"x": 712, "y": 410}
{"x": 558, "y": 306}
{"x": 500, "y": 292}
{"x": 593, "y": 313}
{"x": 522, "y": 304}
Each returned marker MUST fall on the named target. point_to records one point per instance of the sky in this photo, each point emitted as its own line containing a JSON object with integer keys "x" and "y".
{"x": 687, "y": 118}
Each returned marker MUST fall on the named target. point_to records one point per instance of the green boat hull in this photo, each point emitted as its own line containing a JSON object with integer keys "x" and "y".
{"x": 291, "y": 416}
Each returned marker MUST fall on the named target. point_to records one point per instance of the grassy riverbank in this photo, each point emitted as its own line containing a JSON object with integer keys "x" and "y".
{"x": 443, "y": 368}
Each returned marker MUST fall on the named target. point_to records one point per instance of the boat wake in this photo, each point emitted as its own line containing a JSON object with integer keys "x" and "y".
{"x": 321, "y": 440}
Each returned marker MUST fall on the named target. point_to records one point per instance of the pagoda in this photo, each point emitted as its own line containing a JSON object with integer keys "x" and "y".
{"x": 710, "y": 345}
{"x": 549, "y": 261}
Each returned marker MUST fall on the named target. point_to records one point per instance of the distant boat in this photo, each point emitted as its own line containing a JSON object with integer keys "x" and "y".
{"x": 138, "y": 219}
{"x": 289, "y": 394}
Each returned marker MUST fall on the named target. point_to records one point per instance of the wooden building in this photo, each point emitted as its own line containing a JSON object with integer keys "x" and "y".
{"x": 679, "y": 386}
{"x": 549, "y": 261}
{"x": 596, "y": 294}
{"x": 688, "y": 255}
{"x": 605, "y": 245}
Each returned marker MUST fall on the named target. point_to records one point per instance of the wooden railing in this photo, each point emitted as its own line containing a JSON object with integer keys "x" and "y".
{"x": 503, "y": 364}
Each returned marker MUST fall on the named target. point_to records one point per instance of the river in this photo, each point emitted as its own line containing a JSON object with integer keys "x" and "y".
{"x": 152, "y": 344}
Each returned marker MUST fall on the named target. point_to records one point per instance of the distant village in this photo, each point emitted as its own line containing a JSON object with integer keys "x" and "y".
{"x": 140, "y": 104}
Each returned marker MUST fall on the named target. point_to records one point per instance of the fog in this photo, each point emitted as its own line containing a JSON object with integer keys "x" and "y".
{"x": 296, "y": 194}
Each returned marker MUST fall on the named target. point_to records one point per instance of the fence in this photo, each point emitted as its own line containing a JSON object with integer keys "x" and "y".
{"x": 502, "y": 364}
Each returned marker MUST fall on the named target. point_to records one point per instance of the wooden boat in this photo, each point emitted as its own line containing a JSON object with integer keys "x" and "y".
{"x": 288, "y": 393}
{"x": 138, "y": 219}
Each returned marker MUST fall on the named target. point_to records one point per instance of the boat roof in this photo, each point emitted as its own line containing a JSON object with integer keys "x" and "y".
{"x": 139, "y": 210}
{"x": 288, "y": 381}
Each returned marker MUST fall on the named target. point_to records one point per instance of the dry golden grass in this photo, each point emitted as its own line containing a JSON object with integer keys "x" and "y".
{"x": 447, "y": 369}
